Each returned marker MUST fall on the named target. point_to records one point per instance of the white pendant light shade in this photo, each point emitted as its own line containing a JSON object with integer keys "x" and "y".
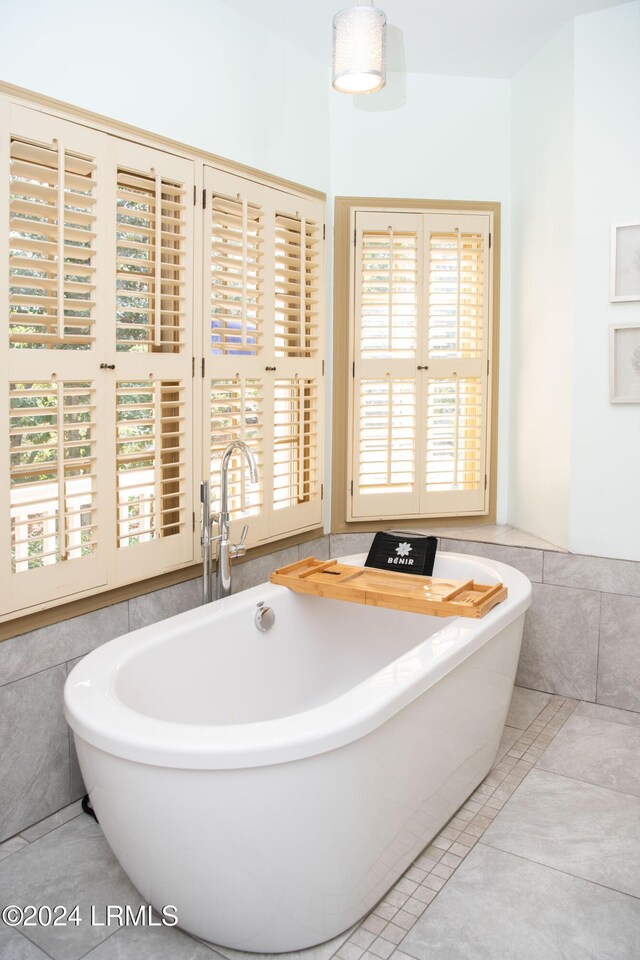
{"x": 359, "y": 49}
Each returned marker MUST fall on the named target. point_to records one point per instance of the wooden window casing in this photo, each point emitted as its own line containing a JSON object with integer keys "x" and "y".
{"x": 416, "y": 299}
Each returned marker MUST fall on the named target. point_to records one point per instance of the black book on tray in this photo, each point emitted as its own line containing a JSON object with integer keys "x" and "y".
{"x": 403, "y": 552}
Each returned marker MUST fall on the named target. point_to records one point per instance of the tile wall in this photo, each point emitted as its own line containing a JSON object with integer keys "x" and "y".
{"x": 581, "y": 640}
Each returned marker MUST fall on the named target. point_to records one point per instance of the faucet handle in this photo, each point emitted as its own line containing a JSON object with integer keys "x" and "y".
{"x": 207, "y": 526}
{"x": 239, "y": 549}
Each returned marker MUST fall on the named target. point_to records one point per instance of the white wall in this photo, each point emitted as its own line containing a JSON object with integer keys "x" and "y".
{"x": 605, "y": 456}
{"x": 542, "y": 224}
{"x": 222, "y": 82}
{"x": 570, "y": 138}
{"x": 448, "y": 138}
{"x": 436, "y": 138}
{"x": 575, "y": 458}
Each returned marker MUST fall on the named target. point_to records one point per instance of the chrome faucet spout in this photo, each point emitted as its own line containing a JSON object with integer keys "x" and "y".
{"x": 248, "y": 453}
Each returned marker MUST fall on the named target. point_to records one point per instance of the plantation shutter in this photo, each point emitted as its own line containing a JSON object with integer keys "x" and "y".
{"x": 53, "y": 201}
{"x": 454, "y": 426}
{"x": 236, "y": 311}
{"x": 237, "y": 413}
{"x": 420, "y": 365}
{"x": 101, "y": 372}
{"x": 263, "y": 352}
{"x": 151, "y": 349}
{"x": 386, "y": 386}
{"x": 236, "y": 282}
{"x": 297, "y": 348}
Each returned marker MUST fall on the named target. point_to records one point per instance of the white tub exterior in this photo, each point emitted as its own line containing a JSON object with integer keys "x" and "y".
{"x": 274, "y": 786}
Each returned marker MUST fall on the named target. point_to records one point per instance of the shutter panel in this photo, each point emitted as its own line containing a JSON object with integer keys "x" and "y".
{"x": 455, "y": 438}
{"x": 53, "y": 204}
{"x": 150, "y": 263}
{"x": 152, "y": 388}
{"x": 150, "y": 460}
{"x": 52, "y": 246}
{"x": 389, "y": 293}
{"x": 240, "y": 297}
{"x": 457, "y": 320}
{"x": 237, "y": 413}
{"x": 454, "y": 430}
{"x": 263, "y": 349}
{"x": 236, "y": 275}
{"x": 52, "y": 436}
{"x": 297, "y": 276}
{"x": 296, "y": 454}
{"x": 386, "y": 388}
{"x": 295, "y": 350}
{"x": 387, "y": 425}
{"x": 235, "y": 286}
{"x": 420, "y": 347}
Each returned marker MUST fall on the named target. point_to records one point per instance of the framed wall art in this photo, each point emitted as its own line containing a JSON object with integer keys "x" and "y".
{"x": 624, "y": 363}
{"x": 625, "y": 261}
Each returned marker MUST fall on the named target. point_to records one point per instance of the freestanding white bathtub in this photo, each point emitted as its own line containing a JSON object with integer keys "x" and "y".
{"x": 273, "y": 786}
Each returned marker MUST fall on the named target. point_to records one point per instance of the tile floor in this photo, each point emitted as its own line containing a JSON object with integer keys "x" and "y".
{"x": 541, "y": 863}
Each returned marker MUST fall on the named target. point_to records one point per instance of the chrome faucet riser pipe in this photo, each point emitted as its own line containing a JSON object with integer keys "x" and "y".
{"x": 205, "y": 540}
{"x": 226, "y": 550}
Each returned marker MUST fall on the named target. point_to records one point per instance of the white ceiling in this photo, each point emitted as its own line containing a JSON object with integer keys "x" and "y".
{"x": 480, "y": 38}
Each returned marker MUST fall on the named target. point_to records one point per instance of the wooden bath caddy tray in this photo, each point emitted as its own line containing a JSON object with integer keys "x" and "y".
{"x": 384, "y": 588}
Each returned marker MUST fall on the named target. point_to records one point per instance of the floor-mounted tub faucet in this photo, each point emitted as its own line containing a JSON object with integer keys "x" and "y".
{"x": 226, "y": 550}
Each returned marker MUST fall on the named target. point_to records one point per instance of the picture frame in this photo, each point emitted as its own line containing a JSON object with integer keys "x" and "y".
{"x": 624, "y": 363}
{"x": 625, "y": 261}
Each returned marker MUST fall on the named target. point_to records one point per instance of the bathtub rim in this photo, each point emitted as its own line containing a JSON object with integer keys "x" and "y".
{"x": 97, "y": 715}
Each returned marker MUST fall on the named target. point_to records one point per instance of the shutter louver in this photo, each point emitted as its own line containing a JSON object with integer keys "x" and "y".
{"x": 297, "y": 266}
{"x": 236, "y": 276}
{"x": 150, "y": 268}
{"x": 52, "y": 247}
{"x": 237, "y": 413}
{"x": 295, "y": 441}
{"x": 52, "y": 473}
{"x": 456, "y": 295}
{"x": 389, "y": 294}
{"x": 150, "y": 460}
{"x": 454, "y": 435}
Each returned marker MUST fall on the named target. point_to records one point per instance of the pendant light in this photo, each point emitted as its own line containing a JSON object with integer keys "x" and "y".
{"x": 359, "y": 49}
